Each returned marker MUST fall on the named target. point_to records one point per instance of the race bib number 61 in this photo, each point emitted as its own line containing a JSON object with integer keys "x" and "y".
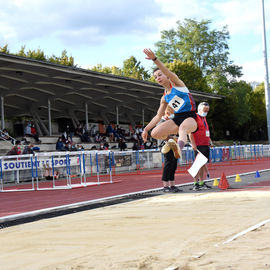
{"x": 176, "y": 103}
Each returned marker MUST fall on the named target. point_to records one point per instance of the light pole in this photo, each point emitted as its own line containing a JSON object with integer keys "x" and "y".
{"x": 266, "y": 78}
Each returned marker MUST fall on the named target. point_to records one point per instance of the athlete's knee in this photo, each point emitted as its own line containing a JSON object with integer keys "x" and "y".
{"x": 155, "y": 134}
{"x": 188, "y": 126}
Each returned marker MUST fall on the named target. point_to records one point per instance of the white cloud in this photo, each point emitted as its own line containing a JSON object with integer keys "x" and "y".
{"x": 241, "y": 17}
{"x": 29, "y": 19}
{"x": 178, "y": 10}
{"x": 254, "y": 71}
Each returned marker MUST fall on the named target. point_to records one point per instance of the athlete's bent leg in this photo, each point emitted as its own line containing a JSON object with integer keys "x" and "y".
{"x": 163, "y": 130}
{"x": 189, "y": 125}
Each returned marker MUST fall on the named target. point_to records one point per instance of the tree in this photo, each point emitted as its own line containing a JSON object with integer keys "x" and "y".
{"x": 190, "y": 74}
{"x": 4, "y": 49}
{"x": 131, "y": 69}
{"x": 21, "y": 52}
{"x": 233, "y": 113}
{"x": 63, "y": 60}
{"x": 219, "y": 82}
{"x": 39, "y": 54}
{"x": 257, "y": 103}
{"x": 36, "y": 54}
{"x": 99, "y": 68}
{"x": 258, "y": 120}
{"x": 194, "y": 41}
{"x": 240, "y": 98}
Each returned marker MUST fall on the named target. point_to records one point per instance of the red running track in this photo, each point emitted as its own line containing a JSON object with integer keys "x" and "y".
{"x": 12, "y": 203}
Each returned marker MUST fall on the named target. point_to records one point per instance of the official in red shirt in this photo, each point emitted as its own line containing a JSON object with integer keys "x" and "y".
{"x": 201, "y": 141}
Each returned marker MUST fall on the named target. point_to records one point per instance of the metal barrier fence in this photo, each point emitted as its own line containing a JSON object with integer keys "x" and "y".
{"x": 67, "y": 170}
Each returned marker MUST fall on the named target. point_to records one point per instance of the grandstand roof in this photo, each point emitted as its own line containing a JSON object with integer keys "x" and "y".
{"x": 27, "y": 84}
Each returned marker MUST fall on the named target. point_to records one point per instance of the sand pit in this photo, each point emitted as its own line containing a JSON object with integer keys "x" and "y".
{"x": 155, "y": 233}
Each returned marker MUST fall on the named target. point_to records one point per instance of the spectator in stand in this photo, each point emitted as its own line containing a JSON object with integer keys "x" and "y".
{"x": 60, "y": 145}
{"x": 4, "y": 135}
{"x": 90, "y": 137}
{"x": 79, "y": 130}
{"x": 106, "y": 146}
{"x": 120, "y": 132}
{"x": 71, "y": 146}
{"x": 122, "y": 145}
{"x": 31, "y": 131}
{"x": 101, "y": 146}
{"x": 80, "y": 147}
{"x": 28, "y": 149}
{"x": 93, "y": 131}
{"x": 109, "y": 132}
{"x": 135, "y": 146}
{"x": 69, "y": 131}
{"x": 98, "y": 138}
{"x": 27, "y": 130}
{"x": 134, "y": 137}
{"x": 15, "y": 150}
{"x": 35, "y": 134}
{"x": 148, "y": 144}
{"x": 154, "y": 145}
{"x": 85, "y": 135}
{"x": 82, "y": 133}
{"x": 66, "y": 139}
{"x": 116, "y": 135}
{"x": 138, "y": 132}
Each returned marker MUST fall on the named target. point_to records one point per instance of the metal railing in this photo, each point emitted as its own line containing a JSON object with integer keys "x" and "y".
{"x": 84, "y": 168}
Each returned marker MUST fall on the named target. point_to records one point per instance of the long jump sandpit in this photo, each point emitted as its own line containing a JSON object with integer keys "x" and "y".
{"x": 215, "y": 230}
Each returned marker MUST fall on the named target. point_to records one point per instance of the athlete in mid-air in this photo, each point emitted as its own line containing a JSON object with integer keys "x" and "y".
{"x": 177, "y": 95}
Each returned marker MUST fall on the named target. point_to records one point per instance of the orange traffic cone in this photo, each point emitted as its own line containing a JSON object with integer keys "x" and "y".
{"x": 223, "y": 183}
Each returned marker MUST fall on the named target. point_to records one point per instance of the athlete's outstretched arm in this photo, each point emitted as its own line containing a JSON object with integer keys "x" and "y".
{"x": 171, "y": 75}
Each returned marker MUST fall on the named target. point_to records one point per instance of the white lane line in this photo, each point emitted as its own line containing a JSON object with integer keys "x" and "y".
{"x": 252, "y": 228}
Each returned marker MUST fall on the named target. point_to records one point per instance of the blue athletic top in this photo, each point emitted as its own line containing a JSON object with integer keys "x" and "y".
{"x": 180, "y": 100}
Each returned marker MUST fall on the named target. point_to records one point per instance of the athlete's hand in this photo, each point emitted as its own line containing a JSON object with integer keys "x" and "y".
{"x": 150, "y": 55}
{"x": 144, "y": 135}
{"x": 194, "y": 146}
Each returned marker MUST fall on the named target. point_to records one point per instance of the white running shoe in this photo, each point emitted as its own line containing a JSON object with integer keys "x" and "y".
{"x": 175, "y": 147}
{"x": 165, "y": 148}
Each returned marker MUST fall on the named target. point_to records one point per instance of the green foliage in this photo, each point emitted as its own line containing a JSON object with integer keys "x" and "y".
{"x": 239, "y": 100}
{"x": 131, "y": 69}
{"x": 99, "y": 68}
{"x": 22, "y": 52}
{"x": 39, "y": 55}
{"x": 242, "y": 112}
{"x": 189, "y": 73}
{"x": 257, "y": 106}
{"x": 218, "y": 82}
{"x": 4, "y": 49}
{"x": 194, "y": 41}
{"x": 63, "y": 60}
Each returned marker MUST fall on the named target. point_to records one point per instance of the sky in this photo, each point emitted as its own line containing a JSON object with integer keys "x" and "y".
{"x": 108, "y": 32}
